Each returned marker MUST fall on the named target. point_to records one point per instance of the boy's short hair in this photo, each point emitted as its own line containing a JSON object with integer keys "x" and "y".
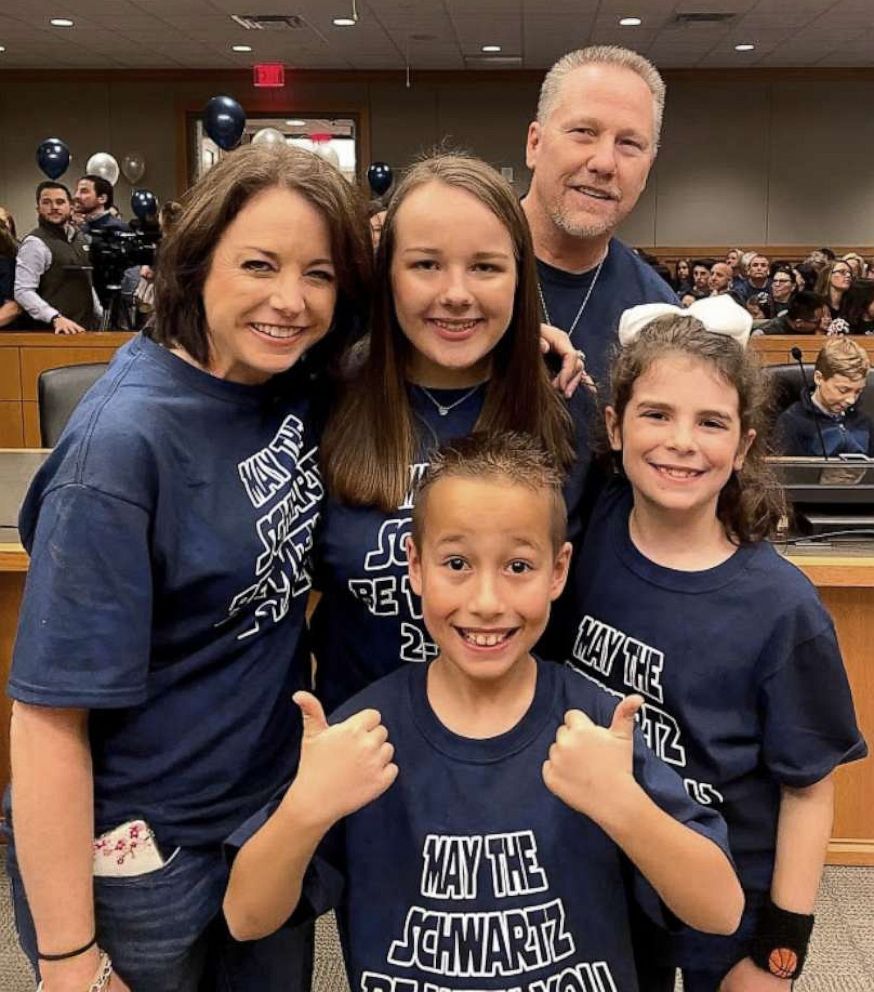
{"x": 507, "y": 456}
{"x": 842, "y": 356}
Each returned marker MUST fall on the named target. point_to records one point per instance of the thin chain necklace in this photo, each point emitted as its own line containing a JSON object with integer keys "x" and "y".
{"x": 573, "y": 326}
{"x": 443, "y": 409}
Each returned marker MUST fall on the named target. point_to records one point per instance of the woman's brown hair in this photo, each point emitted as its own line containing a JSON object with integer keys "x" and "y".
{"x": 370, "y": 440}
{"x": 211, "y": 205}
{"x": 751, "y": 504}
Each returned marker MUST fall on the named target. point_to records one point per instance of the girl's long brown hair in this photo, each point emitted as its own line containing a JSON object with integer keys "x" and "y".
{"x": 370, "y": 440}
{"x": 751, "y": 505}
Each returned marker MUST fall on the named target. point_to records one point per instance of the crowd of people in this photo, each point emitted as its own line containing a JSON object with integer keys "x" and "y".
{"x": 66, "y": 273}
{"x": 840, "y": 291}
{"x": 300, "y": 414}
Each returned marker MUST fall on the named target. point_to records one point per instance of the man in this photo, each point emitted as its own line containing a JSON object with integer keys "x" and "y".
{"x": 93, "y": 200}
{"x": 701, "y": 277}
{"x": 720, "y": 278}
{"x": 807, "y": 314}
{"x": 52, "y": 273}
{"x": 590, "y": 151}
{"x": 758, "y": 280}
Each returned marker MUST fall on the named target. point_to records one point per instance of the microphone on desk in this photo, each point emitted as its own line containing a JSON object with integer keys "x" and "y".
{"x": 797, "y": 355}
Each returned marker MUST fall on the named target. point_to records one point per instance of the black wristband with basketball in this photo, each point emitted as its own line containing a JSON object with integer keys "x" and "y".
{"x": 780, "y": 942}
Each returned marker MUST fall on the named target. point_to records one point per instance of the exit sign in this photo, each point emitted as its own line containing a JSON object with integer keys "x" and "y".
{"x": 269, "y": 75}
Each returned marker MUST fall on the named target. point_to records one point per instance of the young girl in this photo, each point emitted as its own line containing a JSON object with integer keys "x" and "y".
{"x": 679, "y": 597}
{"x": 454, "y": 345}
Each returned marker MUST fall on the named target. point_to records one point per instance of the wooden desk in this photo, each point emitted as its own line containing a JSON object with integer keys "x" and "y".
{"x": 22, "y": 358}
{"x": 846, "y": 585}
{"x": 773, "y": 349}
{"x": 845, "y": 582}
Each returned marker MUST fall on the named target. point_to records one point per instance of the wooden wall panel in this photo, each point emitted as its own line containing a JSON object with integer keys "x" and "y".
{"x": 11, "y": 425}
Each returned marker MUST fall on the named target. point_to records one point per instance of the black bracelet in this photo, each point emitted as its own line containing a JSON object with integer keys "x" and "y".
{"x": 780, "y": 942}
{"x": 69, "y": 954}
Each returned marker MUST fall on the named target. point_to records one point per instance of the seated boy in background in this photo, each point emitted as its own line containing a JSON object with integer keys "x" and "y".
{"x": 827, "y": 417}
{"x": 492, "y": 845}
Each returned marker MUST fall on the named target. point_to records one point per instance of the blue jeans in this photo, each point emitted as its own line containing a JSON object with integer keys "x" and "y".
{"x": 165, "y": 931}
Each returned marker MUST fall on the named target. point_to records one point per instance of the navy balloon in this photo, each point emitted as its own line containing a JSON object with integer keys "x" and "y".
{"x": 143, "y": 203}
{"x": 53, "y": 157}
{"x": 380, "y": 177}
{"x": 224, "y": 120}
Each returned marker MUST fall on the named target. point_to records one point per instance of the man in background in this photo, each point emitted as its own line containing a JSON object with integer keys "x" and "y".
{"x": 93, "y": 200}
{"x": 590, "y": 150}
{"x": 52, "y": 273}
{"x": 807, "y": 313}
{"x": 720, "y": 280}
{"x": 701, "y": 277}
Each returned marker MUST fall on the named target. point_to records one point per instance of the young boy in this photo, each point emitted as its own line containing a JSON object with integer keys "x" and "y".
{"x": 488, "y": 846}
{"x": 839, "y": 376}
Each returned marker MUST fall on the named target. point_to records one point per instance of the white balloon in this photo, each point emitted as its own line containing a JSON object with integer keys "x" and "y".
{"x": 325, "y": 150}
{"x": 133, "y": 165}
{"x": 268, "y": 136}
{"x": 103, "y": 164}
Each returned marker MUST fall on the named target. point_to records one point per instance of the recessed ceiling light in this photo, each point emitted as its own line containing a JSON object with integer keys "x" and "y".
{"x": 2, "y": 48}
{"x": 744, "y": 48}
{"x": 344, "y": 22}
{"x": 62, "y": 22}
{"x": 630, "y": 22}
{"x": 296, "y": 123}
{"x": 241, "y": 48}
{"x": 491, "y": 48}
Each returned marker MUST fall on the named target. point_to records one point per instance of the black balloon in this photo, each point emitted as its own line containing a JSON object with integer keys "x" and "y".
{"x": 53, "y": 157}
{"x": 143, "y": 203}
{"x": 224, "y": 120}
{"x": 380, "y": 177}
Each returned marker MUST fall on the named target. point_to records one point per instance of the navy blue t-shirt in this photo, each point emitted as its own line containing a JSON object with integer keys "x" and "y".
{"x": 744, "y": 686}
{"x": 368, "y": 620}
{"x": 468, "y": 874}
{"x": 169, "y": 532}
{"x": 625, "y": 281}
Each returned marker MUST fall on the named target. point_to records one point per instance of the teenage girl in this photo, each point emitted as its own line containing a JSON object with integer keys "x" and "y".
{"x": 679, "y": 597}
{"x": 454, "y": 346}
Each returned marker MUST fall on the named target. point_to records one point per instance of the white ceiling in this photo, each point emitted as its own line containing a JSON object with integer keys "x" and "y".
{"x": 433, "y": 34}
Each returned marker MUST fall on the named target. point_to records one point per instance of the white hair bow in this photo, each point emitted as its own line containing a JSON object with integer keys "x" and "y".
{"x": 719, "y": 314}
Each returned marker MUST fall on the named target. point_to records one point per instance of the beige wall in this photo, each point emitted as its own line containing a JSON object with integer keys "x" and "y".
{"x": 743, "y": 162}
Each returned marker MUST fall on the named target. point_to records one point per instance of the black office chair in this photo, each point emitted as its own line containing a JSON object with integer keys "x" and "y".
{"x": 59, "y": 391}
{"x": 787, "y": 384}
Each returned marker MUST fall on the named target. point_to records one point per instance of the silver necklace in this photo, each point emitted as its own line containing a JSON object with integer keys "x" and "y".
{"x": 573, "y": 326}
{"x": 444, "y": 410}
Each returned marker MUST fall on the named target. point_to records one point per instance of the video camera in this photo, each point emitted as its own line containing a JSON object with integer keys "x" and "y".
{"x": 113, "y": 252}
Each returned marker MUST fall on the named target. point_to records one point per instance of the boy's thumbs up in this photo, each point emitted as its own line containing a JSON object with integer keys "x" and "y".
{"x": 622, "y": 724}
{"x": 314, "y": 721}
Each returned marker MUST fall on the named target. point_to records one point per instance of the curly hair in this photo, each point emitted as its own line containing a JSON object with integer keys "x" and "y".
{"x": 751, "y": 505}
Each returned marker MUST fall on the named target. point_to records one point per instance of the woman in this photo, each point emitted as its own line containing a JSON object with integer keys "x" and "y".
{"x": 860, "y": 307}
{"x": 9, "y": 309}
{"x": 833, "y": 283}
{"x": 682, "y": 281}
{"x": 161, "y": 632}
{"x": 453, "y": 347}
{"x": 782, "y": 288}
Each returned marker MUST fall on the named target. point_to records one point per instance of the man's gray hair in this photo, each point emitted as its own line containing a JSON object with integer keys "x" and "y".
{"x": 603, "y": 55}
